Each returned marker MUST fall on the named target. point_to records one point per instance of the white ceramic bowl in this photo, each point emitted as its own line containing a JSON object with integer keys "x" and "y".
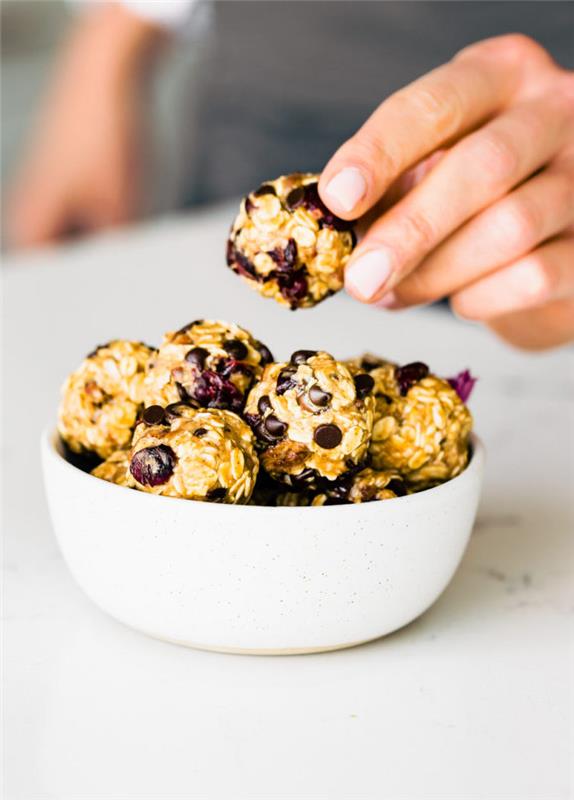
{"x": 259, "y": 580}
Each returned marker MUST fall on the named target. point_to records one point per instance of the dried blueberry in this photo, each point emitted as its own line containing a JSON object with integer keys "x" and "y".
{"x": 235, "y": 348}
{"x": 197, "y": 357}
{"x": 463, "y": 384}
{"x": 314, "y": 203}
{"x": 328, "y": 436}
{"x": 285, "y": 258}
{"x": 153, "y": 415}
{"x": 293, "y": 286}
{"x": 301, "y": 356}
{"x": 153, "y": 466}
{"x": 211, "y": 390}
{"x": 363, "y": 385}
{"x": 409, "y": 374}
{"x": 319, "y": 397}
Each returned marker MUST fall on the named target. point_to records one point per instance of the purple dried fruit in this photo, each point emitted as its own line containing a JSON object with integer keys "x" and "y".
{"x": 463, "y": 384}
{"x": 211, "y": 390}
{"x": 410, "y": 374}
{"x": 293, "y": 286}
{"x": 285, "y": 258}
{"x": 153, "y": 466}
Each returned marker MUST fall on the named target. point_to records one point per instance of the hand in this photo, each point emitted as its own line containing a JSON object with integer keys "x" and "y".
{"x": 83, "y": 168}
{"x": 469, "y": 174}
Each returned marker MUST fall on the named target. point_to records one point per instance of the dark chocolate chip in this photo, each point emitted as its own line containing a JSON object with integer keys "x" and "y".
{"x": 301, "y": 356}
{"x": 265, "y": 188}
{"x": 197, "y": 356}
{"x": 397, "y": 486}
{"x": 275, "y": 426}
{"x": 199, "y": 432}
{"x": 182, "y": 391}
{"x": 172, "y": 411}
{"x": 153, "y": 466}
{"x": 264, "y": 352}
{"x": 363, "y": 385}
{"x": 235, "y": 348}
{"x": 318, "y": 397}
{"x": 153, "y": 415}
{"x": 409, "y": 374}
{"x": 189, "y": 325}
{"x": 263, "y": 404}
{"x": 285, "y": 380}
{"x": 295, "y": 197}
{"x": 217, "y": 494}
{"x": 328, "y": 436}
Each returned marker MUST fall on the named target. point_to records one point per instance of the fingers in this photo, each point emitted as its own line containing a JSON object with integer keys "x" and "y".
{"x": 35, "y": 219}
{"x": 543, "y": 276}
{"x": 510, "y": 228}
{"x": 474, "y": 173}
{"x": 414, "y": 122}
{"x": 550, "y": 325}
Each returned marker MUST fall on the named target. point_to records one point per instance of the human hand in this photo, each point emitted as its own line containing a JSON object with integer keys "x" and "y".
{"x": 83, "y": 168}
{"x": 468, "y": 175}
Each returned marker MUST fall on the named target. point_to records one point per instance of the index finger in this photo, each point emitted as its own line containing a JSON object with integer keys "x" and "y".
{"x": 417, "y": 120}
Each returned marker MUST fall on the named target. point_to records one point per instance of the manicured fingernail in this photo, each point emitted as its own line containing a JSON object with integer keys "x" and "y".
{"x": 388, "y": 300}
{"x": 367, "y": 275}
{"x": 347, "y": 188}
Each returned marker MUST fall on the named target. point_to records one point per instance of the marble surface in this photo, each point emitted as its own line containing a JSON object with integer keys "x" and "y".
{"x": 473, "y": 700}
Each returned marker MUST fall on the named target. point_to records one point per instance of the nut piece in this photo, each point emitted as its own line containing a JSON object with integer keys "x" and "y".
{"x": 101, "y": 400}
{"x": 115, "y": 469}
{"x": 195, "y": 454}
{"x": 208, "y": 363}
{"x": 311, "y": 417}
{"x": 287, "y": 244}
{"x": 421, "y": 425}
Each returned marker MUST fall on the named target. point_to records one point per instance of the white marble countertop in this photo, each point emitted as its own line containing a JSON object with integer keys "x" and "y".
{"x": 473, "y": 700}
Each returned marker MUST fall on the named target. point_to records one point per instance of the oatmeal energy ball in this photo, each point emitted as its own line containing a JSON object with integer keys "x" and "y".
{"x": 312, "y": 418}
{"x": 101, "y": 399}
{"x": 116, "y": 469}
{"x": 287, "y": 244}
{"x": 207, "y": 363}
{"x": 197, "y": 454}
{"x": 421, "y": 428}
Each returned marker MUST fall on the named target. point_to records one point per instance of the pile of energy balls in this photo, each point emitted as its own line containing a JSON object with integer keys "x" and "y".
{"x": 211, "y": 416}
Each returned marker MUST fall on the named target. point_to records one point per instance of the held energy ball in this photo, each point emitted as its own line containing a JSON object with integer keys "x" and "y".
{"x": 197, "y": 454}
{"x": 312, "y": 418}
{"x": 422, "y": 426}
{"x": 208, "y": 363}
{"x": 101, "y": 399}
{"x": 287, "y": 244}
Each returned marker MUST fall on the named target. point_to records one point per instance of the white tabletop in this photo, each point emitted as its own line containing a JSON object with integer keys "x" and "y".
{"x": 473, "y": 700}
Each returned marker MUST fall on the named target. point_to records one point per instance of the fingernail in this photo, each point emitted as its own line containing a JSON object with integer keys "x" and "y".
{"x": 347, "y": 188}
{"x": 367, "y": 275}
{"x": 388, "y": 300}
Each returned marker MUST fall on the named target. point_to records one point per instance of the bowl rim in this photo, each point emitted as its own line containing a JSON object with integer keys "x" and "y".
{"x": 50, "y": 439}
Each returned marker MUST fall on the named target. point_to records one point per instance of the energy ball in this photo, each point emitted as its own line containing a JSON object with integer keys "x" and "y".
{"x": 197, "y": 454}
{"x": 101, "y": 399}
{"x": 287, "y": 244}
{"x": 421, "y": 428}
{"x": 312, "y": 418}
{"x": 116, "y": 469}
{"x": 208, "y": 363}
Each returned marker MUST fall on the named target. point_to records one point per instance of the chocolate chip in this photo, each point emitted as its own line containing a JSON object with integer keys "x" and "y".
{"x": 235, "y": 348}
{"x": 197, "y": 356}
{"x": 295, "y": 197}
{"x": 409, "y": 374}
{"x": 216, "y": 494}
{"x": 263, "y": 404}
{"x": 301, "y": 356}
{"x": 275, "y": 427}
{"x": 264, "y": 352}
{"x": 265, "y": 188}
{"x": 153, "y": 466}
{"x": 199, "y": 432}
{"x": 285, "y": 380}
{"x": 318, "y": 397}
{"x": 328, "y": 436}
{"x": 397, "y": 486}
{"x": 370, "y": 362}
{"x": 172, "y": 411}
{"x": 363, "y": 385}
{"x": 153, "y": 415}
{"x": 182, "y": 391}
{"x": 189, "y": 325}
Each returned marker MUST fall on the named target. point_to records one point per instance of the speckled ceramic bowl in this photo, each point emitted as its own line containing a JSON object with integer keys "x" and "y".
{"x": 259, "y": 580}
